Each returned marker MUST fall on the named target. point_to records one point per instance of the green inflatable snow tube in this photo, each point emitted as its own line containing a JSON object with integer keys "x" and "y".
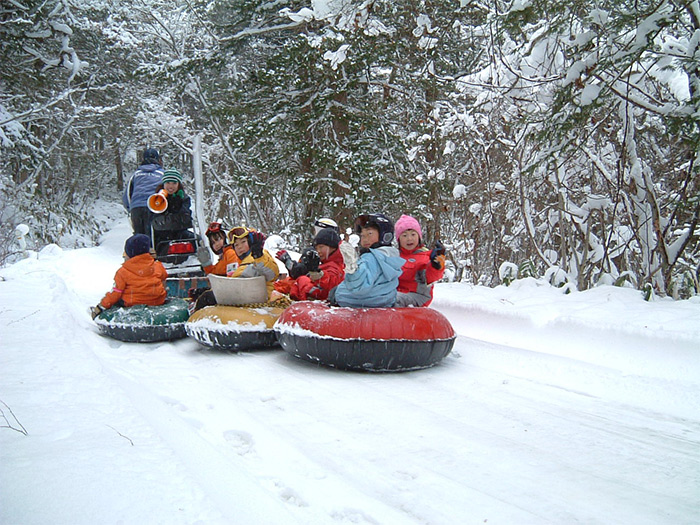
{"x": 145, "y": 324}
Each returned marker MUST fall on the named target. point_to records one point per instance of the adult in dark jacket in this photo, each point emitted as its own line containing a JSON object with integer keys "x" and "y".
{"x": 175, "y": 222}
{"x": 141, "y": 186}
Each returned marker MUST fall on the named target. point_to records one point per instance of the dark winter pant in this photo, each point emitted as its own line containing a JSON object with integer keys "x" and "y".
{"x": 205, "y": 299}
{"x": 141, "y": 218}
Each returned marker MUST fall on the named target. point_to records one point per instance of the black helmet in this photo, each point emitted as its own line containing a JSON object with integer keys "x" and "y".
{"x": 151, "y": 156}
{"x": 379, "y": 221}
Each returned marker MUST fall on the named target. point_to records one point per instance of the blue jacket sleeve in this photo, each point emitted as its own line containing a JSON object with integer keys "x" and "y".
{"x": 365, "y": 275}
{"x": 126, "y": 195}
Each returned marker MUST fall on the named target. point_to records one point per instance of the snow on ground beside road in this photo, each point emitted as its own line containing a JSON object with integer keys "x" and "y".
{"x": 612, "y": 328}
{"x": 552, "y": 408}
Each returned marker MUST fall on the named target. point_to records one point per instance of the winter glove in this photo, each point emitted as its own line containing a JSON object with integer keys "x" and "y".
{"x": 194, "y": 293}
{"x": 298, "y": 269}
{"x": 204, "y": 256}
{"x": 96, "y": 310}
{"x": 257, "y": 240}
{"x": 437, "y": 256}
{"x": 174, "y": 203}
{"x": 349, "y": 257}
{"x": 311, "y": 260}
{"x": 283, "y": 256}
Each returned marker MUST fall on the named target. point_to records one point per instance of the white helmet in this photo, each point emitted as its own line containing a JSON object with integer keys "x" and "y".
{"x": 325, "y": 222}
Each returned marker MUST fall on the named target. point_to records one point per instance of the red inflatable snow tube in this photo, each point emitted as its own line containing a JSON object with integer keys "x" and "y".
{"x": 373, "y": 339}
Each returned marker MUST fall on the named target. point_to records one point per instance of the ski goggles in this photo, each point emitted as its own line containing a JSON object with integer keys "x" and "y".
{"x": 361, "y": 222}
{"x": 326, "y": 223}
{"x": 238, "y": 233}
{"x": 214, "y": 227}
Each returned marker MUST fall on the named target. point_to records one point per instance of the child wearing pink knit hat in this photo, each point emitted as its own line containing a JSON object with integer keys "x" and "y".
{"x": 422, "y": 268}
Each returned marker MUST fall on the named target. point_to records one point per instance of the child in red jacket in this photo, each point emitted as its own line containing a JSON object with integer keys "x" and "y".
{"x": 296, "y": 268}
{"x": 138, "y": 281}
{"x": 422, "y": 268}
{"x": 319, "y": 270}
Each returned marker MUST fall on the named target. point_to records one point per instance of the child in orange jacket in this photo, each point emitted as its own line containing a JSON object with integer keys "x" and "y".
{"x": 228, "y": 261}
{"x": 422, "y": 267}
{"x": 138, "y": 281}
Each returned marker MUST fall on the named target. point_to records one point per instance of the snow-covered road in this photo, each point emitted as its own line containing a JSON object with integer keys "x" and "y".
{"x": 498, "y": 433}
{"x": 461, "y": 442}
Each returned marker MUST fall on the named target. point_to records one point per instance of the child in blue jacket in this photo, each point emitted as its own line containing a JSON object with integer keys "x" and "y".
{"x": 370, "y": 281}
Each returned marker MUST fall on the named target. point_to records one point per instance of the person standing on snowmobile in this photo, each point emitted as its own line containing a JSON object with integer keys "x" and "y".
{"x": 141, "y": 186}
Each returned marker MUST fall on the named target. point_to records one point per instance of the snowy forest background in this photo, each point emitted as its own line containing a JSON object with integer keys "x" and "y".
{"x": 558, "y": 138}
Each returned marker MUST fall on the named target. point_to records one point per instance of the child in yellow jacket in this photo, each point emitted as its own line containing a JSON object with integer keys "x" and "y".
{"x": 255, "y": 261}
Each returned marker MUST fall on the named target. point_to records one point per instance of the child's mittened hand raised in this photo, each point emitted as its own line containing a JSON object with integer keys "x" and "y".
{"x": 283, "y": 256}
{"x": 437, "y": 256}
{"x": 204, "y": 256}
{"x": 311, "y": 260}
{"x": 256, "y": 244}
{"x": 297, "y": 270}
{"x": 349, "y": 257}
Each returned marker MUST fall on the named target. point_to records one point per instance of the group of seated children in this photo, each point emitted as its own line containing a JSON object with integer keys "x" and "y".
{"x": 381, "y": 276}
{"x": 242, "y": 256}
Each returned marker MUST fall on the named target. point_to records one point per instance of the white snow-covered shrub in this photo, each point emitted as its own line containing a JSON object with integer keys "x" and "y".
{"x": 556, "y": 276}
{"x": 459, "y": 191}
{"x": 508, "y": 272}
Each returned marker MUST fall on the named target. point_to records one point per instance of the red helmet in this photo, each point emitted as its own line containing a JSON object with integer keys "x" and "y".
{"x": 215, "y": 227}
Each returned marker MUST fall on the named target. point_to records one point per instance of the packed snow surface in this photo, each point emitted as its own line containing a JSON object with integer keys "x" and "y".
{"x": 552, "y": 408}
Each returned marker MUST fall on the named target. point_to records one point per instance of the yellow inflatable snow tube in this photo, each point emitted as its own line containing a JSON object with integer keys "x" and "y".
{"x": 235, "y": 327}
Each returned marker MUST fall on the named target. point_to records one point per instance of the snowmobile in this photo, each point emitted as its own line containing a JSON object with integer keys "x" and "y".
{"x": 179, "y": 257}
{"x": 178, "y": 254}
{"x": 176, "y": 248}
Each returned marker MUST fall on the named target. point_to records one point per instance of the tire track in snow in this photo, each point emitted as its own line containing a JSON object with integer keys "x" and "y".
{"x": 261, "y": 448}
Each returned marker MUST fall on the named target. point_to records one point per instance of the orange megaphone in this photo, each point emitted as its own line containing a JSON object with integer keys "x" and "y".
{"x": 158, "y": 202}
